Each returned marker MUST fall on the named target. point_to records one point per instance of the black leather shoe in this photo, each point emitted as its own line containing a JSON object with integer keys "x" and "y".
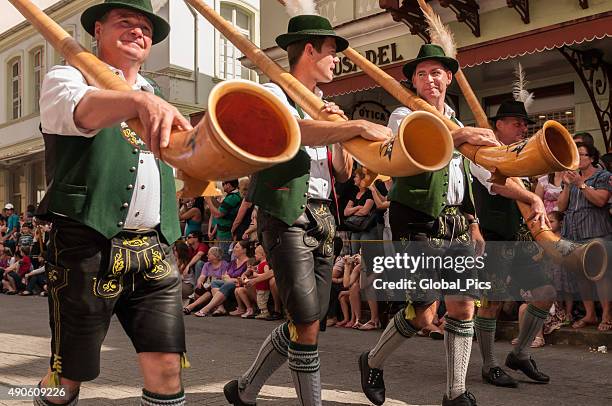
{"x": 232, "y": 394}
{"x": 498, "y": 377}
{"x": 465, "y": 399}
{"x": 372, "y": 382}
{"x": 526, "y": 366}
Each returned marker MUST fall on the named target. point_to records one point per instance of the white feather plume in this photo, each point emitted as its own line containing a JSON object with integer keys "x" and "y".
{"x": 519, "y": 88}
{"x": 158, "y": 4}
{"x": 439, "y": 33}
{"x": 300, "y": 7}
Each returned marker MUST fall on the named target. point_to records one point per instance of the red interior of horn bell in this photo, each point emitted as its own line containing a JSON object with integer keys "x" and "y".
{"x": 252, "y": 123}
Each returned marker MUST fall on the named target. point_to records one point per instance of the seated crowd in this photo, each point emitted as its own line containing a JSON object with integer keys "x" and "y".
{"x": 225, "y": 271}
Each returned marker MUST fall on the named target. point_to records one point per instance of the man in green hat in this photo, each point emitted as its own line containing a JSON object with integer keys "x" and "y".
{"x": 434, "y": 209}
{"x": 296, "y": 225}
{"x": 502, "y": 223}
{"x": 113, "y": 208}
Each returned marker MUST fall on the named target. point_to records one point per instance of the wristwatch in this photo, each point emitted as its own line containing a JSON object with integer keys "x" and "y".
{"x": 475, "y": 220}
{"x": 582, "y": 187}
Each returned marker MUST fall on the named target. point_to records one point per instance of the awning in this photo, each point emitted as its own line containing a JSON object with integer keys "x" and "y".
{"x": 568, "y": 33}
{"x": 573, "y": 32}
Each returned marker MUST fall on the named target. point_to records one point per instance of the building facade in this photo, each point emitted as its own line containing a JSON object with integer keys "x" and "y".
{"x": 564, "y": 46}
{"x": 192, "y": 46}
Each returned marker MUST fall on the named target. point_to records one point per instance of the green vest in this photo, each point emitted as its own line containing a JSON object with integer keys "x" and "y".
{"x": 91, "y": 180}
{"x": 426, "y": 192}
{"x": 282, "y": 190}
{"x": 497, "y": 214}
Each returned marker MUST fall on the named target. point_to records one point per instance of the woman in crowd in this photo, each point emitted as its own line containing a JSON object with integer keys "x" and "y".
{"x": 191, "y": 213}
{"x": 354, "y": 280}
{"x": 212, "y": 270}
{"x": 181, "y": 252}
{"x": 584, "y": 200}
{"x": 361, "y": 205}
{"x": 255, "y": 288}
{"x": 548, "y": 189}
{"x": 223, "y": 289}
{"x": 13, "y": 275}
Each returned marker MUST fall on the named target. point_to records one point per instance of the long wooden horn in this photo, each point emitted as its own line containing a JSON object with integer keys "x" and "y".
{"x": 591, "y": 258}
{"x": 408, "y": 155}
{"x": 552, "y": 151}
{"x": 222, "y": 146}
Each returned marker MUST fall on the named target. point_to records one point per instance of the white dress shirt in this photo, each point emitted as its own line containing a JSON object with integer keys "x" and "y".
{"x": 319, "y": 186}
{"x": 456, "y": 183}
{"x": 62, "y": 90}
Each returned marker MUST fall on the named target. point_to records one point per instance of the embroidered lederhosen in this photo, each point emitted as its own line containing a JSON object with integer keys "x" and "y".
{"x": 132, "y": 252}
{"x": 91, "y": 278}
{"x": 447, "y": 235}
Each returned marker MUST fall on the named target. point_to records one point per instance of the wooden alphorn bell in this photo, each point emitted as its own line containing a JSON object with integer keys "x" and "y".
{"x": 408, "y": 156}
{"x": 590, "y": 258}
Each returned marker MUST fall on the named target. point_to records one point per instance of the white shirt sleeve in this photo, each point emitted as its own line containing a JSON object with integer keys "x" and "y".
{"x": 395, "y": 119}
{"x": 62, "y": 90}
{"x": 280, "y": 95}
{"x": 483, "y": 176}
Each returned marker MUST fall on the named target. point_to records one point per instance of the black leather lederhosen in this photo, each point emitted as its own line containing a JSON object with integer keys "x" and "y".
{"x": 90, "y": 277}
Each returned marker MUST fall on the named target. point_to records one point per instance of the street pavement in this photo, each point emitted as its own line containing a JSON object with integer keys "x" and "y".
{"x": 221, "y": 348}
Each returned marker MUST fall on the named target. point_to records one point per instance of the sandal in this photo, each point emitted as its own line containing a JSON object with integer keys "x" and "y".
{"x": 514, "y": 341}
{"x": 356, "y": 325}
{"x": 186, "y": 311}
{"x": 219, "y": 313}
{"x": 237, "y": 312}
{"x": 370, "y": 325}
{"x": 582, "y": 323}
{"x": 341, "y": 323}
{"x": 249, "y": 314}
{"x": 538, "y": 342}
{"x": 201, "y": 314}
{"x": 604, "y": 326}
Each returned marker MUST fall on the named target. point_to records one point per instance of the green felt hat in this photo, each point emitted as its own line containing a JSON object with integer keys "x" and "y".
{"x": 430, "y": 52}
{"x": 161, "y": 28}
{"x": 512, "y": 108}
{"x": 306, "y": 26}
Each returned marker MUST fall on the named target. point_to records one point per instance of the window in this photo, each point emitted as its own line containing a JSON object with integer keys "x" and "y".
{"x": 37, "y": 56}
{"x": 229, "y": 65}
{"x": 14, "y": 69}
{"x": 566, "y": 117}
{"x": 59, "y": 59}
{"x": 94, "y": 46}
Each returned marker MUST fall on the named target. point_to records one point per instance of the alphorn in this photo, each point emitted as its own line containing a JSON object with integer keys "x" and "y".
{"x": 590, "y": 258}
{"x": 406, "y": 156}
{"x": 222, "y": 146}
{"x": 550, "y": 150}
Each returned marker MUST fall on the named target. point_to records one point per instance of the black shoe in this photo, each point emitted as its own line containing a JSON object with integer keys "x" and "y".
{"x": 498, "y": 377}
{"x": 232, "y": 394}
{"x": 372, "y": 382}
{"x": 526, "y": 366}
{"x": 274, "y": 316}
{"x": 465, "y": 399}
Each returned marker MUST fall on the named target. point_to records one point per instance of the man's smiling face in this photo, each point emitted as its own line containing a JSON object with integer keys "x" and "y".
{"x": 125, "y": 33}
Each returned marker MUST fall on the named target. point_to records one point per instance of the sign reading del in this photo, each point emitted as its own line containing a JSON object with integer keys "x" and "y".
{"x": 371, "y": 111}
{"x": 382, "y": 55}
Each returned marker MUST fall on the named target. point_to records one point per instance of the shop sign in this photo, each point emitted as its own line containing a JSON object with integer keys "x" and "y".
{"x": 382, "y": 55}
{"x": 371, "y": 111}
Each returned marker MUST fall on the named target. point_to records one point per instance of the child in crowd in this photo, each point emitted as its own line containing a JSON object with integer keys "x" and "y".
{"x": 12, "y": 281}
{"x": 262, "y": 286}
